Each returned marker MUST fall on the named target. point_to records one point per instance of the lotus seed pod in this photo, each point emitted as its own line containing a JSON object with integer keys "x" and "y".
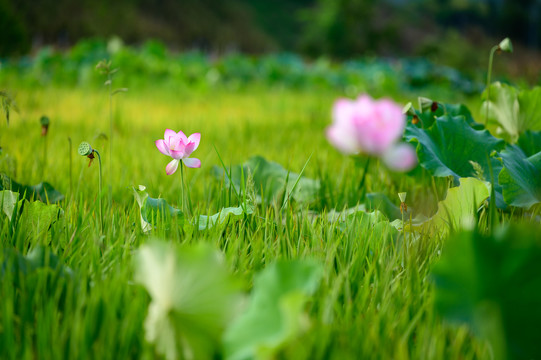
{"x": 402, "y": 196}
{"x": 44, "y": 125}
{"x": 84, "y": 149}
{"x": 506, "y": 45}
{"x": 44, "y": 121}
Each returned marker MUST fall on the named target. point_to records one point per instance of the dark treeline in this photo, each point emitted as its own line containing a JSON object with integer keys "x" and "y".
{"x": 339, "y": 28}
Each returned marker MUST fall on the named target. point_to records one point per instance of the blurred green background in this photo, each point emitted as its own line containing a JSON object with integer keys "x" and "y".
{"x": 449, "y": 32}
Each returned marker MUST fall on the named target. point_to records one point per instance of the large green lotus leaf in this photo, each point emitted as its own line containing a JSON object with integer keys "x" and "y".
{"x": 503, "y": 107}
{"x": 9, "y": 201}
{"x": 153, "y": 211}
{"x": 379, "y": 201}
{"x": 37, "y": 217}
{"x": 530, "y": 109}
{"x": 269, "y": 180}
{"x": 514, "y": 111}
{"x": 457, "y": 211}
{"x": 492, "y": 283}
{"x": 373, "y": 224}
{"x": 450, "y": 144}
{"x": 455, "y": 110}
{"x": 39, "y": 257}
{"x": 427, "y": 116}
{"x": 520, "y": 177}
{"x": 193, "y": 298}
{"x": 209, "y": 221}
{"x": 530, "y": 142}
{"x": 43, "y": 191}
{"x": 275, "y": 314}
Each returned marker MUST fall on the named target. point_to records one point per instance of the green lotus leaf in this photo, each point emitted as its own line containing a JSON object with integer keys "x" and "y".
{"x": 9, "y": 201}
{"x": 379, "y": 201}
{"x": 451, "y": 147}
{"x": 530, "y": 142}
{"x": 275, "y": 314}
{"x": 520, "y": 177}
{"x": 270, "y": 180}
{"x": 43, "y": 191}
{"x": 492, "y": 283}
{"x": 37, "y": 217}
{"x": 209, "y": 221}
{"x": 427, "y": 117}
{"x": 457, "y": 211}
{"x": 515, "y": 111}
{"x": 448, "y": 146}
{"x": 153, "y": 211}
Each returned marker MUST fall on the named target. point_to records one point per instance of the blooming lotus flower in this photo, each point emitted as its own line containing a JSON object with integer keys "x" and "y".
{"x": 179, "y": 147}
{"x": 372, "y": 127}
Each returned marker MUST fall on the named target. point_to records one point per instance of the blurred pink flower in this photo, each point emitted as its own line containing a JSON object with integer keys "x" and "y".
{"x": 371, "y": 127}
{"x": 179, "y": 147}
{"x": 400, "y": 157}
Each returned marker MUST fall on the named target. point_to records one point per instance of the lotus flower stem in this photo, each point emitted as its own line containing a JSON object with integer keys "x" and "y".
{"x": 71, "y": 166}
{"x": 506, "y": 46}
{"x": 44, "y": 159}
{"x": 109, "y": 80}
{"x": 183, "y": 191}
{"x": 490, "y": 59}
{"x": 365, "y": 171}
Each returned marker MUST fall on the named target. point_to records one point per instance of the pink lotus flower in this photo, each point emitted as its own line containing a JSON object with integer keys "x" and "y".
{"x": 371, "y": 127}
{"x": 179, "y": 147}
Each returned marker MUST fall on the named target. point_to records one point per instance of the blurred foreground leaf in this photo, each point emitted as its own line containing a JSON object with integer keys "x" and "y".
{"x": 275, "y": 314}
{"x": 520, "y": 177}
{"x": 193, "y": 298}
{"x": 493, "y": 283}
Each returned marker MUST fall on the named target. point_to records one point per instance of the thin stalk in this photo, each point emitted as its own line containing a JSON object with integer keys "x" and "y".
{"x": 182, "y": 188}
{"x": 71, "y": 167}
{"x": 490, "y": 59}
{"x": 100, "y": 189}
{"x": 403, "y": 226}
{"x": 363, "y": 179}
{"x": 110, "y": 81}
{"x": 44, "y": 160}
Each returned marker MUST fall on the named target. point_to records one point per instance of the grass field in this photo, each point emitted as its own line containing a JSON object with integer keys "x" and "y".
{"x": 375, "y": 297}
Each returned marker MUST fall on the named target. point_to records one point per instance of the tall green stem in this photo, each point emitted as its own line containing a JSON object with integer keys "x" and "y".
{"x": 363, "y": 179}
{"x": 100, "y": 191}
{"x": 71, "y": 166}
{"x": 44, "y": 160}
{"x": 491, "y": 57}
{"x": 110, "y": 81}
{"x": 182, "y": 188}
